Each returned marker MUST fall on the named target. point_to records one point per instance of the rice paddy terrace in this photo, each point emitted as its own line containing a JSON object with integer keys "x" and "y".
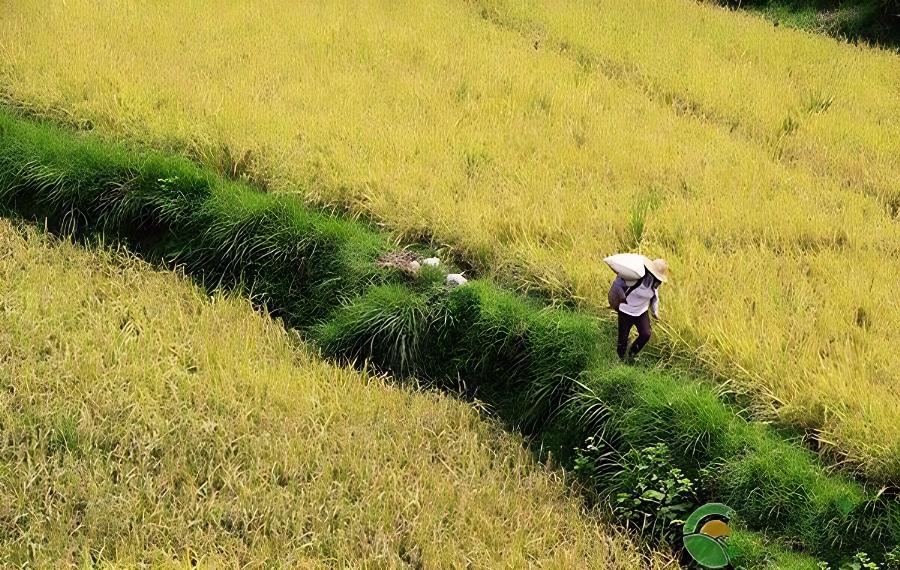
{"x": 763, "y": 163}
{"x": 752, "y": 158}
{"x": 148, "y": 422}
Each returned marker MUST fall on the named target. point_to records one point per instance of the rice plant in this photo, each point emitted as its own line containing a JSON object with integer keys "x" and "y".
{"x": 149, "y": 423}
{"x": 522, "y": 137}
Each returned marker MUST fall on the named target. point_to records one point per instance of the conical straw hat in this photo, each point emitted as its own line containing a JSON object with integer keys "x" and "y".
{"x": 659, "y": 268}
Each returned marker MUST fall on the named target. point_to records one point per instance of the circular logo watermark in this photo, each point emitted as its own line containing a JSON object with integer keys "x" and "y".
{"x": 705, "y": 533}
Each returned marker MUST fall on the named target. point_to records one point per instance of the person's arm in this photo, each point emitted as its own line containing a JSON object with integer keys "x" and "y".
{"x": 654, "y": 304}
{"x": 617, "y": 293}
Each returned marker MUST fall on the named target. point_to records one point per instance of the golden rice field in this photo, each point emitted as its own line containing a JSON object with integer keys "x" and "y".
{"x": 148, "y": 424}
{"x": 539, "y": 137}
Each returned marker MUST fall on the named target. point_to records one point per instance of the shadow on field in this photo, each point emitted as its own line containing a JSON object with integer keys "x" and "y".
{"x": 873, "y": 21}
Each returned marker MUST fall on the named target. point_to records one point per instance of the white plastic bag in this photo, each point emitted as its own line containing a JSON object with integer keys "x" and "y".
{"x": 456, "y": 279}
{"x": 628, "y": 266}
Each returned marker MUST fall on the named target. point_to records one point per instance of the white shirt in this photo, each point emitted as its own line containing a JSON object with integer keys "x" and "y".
{"x": 642, "y": 298}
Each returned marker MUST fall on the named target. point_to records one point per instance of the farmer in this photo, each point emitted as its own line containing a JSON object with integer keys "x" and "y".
{"x": 635, "y": 301}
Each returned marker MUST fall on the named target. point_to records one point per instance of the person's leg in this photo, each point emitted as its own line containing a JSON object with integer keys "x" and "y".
{"x": 644, "y": 333}
{"x": 625, "y": 324}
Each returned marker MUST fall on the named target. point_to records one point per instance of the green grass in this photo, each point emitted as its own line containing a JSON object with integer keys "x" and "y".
{"x": 148, "y": 423}
{"x": 541, "y": 369}
{"x": 300, "y": 262}
{"x": 541, "y": 372}
{"x": 521, "y": 358}
{"x": 777, "y": 485}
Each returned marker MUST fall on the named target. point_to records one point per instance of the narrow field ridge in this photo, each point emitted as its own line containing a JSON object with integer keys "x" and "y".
{"x": 148, "y": 423}
{"x": 541, "y": 369}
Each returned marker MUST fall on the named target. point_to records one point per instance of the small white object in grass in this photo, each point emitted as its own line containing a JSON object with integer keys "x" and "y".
{"x": 414, "y": 265}
{"x": 456, "y": 279}
{"x": 431, "y": 262}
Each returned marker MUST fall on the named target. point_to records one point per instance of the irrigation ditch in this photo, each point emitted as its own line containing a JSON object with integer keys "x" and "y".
{"x": 651, "y": 442}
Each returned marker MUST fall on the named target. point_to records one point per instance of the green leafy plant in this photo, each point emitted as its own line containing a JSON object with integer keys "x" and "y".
{"x": 650, "y": 493}
{"x": 892, "y": 559}
{"x": 862, "y": 561}
{"x": 168, "y": 182}
{"x": 586, "y": 464}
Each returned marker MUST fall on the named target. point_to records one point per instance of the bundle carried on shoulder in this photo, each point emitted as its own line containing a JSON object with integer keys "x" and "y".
{"x": 628, "y": 266}
{"x": 630, "y": 269}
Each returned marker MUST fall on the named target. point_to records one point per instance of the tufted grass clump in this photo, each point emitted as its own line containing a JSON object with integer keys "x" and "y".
{"x": 516, "y": 354}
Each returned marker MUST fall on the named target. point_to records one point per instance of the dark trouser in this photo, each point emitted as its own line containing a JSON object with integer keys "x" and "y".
{"x": 642, "y": 323}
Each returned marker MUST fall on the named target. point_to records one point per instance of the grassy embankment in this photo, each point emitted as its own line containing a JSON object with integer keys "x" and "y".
{"x": 145, "y": 421}
{"x": 541, "y": 369}
{"x": 762, "y": 162}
